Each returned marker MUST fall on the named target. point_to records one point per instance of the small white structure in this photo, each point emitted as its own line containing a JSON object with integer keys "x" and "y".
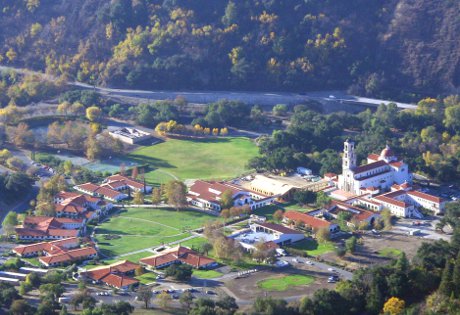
{"x": 130, "y": 135}
{"x": 304, "y": 171}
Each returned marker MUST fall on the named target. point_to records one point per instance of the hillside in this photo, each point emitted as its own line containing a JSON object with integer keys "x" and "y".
{"x": 393, "y": 48}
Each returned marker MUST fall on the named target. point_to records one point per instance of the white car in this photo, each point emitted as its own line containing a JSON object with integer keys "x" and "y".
{"x": 331, "y": 269}
{"x": 331, "y": 96}
{"x": 308, "y": 262}
{"x": 295, "y": 260}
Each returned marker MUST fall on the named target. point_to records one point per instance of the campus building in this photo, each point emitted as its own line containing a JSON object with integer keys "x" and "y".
{"x": 117, "y": 275}
{"x": 76, "y": 205}
{"x": 57, "y": 253}
{"x": 263, "y": 232}
{"x": 208, "y": 195}
{"x": 105, "y": 193}
{"x": 309, "y": 221}
{"x": 178, "y": 255}
{"x": 130, "y": 135}
{"x": 42, "y": 228}
{"x": 380, "y": 172}
{"x": 120, "y": 182}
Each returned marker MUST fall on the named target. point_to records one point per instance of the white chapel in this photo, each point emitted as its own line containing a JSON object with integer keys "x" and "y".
{"x": 379, "y": 174}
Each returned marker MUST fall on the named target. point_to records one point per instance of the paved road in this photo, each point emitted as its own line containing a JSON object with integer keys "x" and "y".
{"x": 320, "y": 265}
{"x": 261, "y": 98}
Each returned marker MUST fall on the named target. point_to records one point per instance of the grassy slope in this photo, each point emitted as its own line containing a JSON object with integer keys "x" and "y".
{"x": 313, "y": 248}
{"x": 210, "y": 159}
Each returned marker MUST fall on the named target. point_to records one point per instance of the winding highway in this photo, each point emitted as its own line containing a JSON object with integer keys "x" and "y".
{"x": 203, "y": 97}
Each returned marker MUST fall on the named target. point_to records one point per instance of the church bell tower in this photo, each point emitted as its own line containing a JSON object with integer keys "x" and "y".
{"x": 349, "y": 157}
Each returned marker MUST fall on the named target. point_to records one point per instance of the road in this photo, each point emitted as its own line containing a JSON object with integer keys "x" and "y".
{"x": 202, "y": 97}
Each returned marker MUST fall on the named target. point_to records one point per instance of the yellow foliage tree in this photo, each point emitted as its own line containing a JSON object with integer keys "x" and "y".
{"x": 215, "y": 131}
{"x": 11, "y": 55}
{"x": 224, "y": 131}
{"x": 394, "y": 306}
{"x": 207, "y": 131}
{"x": 93, "y": 113}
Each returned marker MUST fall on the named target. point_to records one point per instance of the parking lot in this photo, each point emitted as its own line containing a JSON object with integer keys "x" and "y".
{"x": 427, "y": 228}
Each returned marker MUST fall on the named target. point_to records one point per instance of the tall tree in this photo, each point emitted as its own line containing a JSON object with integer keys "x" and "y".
{"x": 176, "y": 192}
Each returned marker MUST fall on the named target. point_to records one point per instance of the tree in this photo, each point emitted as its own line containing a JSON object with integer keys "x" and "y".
{"x": 322, "y": 199}
{"x": 33, "y": 279}
{"x": 93, "y": 148}
{"x": 280, "y": 109}
{"x": 323, "y": 234}
{"x": 225, "y": 214}
{"x": 93, "y": 114}
{"x": 164, "y": 299}
{"x": 386, "y": 216}
{"x": 226, "y": 199}
{"x": 179, "y": 272}
{"x": 446, "y": 286}
{"x": 54, "y": 291}
{"x": 456, "y": 276}
{"x": 145, "y": 294}
{"x": 304, "y": 196}
{"x": 63, "y": 310}
{"x": 350, "y": 244}
{"x": 278, "y": 215}
{"x": 186, "y": 300}
{"x": 394, "y": 306}
{"x": 176, "y": 192}
{"x": 9, "y": 223}
{"x": 206, "y": 247}
{"x": 156, "y": 196}
{"x": 138, "y": 198}
{"x": 135, "y": 172}
{"x": 21, "y": 307}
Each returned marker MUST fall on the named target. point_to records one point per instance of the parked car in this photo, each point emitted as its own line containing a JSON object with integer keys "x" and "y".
{"x": 308, "y": 262}
{"x": 331, "y": 269}
{"x": 210, "y": 292}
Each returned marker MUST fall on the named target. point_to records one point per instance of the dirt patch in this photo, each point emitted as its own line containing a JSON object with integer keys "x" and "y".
{"x": 369, "y": 253}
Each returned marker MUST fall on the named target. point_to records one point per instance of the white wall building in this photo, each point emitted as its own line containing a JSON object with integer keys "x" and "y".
{"x": 381, "y": 171}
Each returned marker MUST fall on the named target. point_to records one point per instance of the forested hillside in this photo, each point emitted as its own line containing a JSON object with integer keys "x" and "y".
{"x": 390, "y": 48}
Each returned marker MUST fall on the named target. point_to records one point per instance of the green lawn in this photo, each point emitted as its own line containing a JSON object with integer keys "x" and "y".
{"x": 147, "y": 278}
{"x": 34, "y": 261}
{"x": 139, "y": 228}
{"x": 313, "y": 248}
{"x": 390, "y": 252}
{"x": 191, "y": 159}
{"x": 206, "y": 274}
{"x": 296, "y": 207}
{"x": 266, "y": 211}
{"x": 284, "y": 283}
{"x": 194, "y": 243}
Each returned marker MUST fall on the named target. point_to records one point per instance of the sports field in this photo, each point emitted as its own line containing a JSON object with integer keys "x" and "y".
{"x": 192, "y": 159}
{"x": 138, "y": 228}
{"x": 284, "y": 283}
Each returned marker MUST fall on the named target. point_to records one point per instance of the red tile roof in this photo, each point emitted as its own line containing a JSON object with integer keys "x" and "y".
{"x": 397, "y": 164}
{"x": 374, "y": 157}
{"x": 68, "y": 256}
{"x": 180, "y": 253}
{"x": 105, "y": 191}
{"x": 202, "y": 189}
{"x": 129, "y": 181}
{"x": 368, "y": 167}
{"x": 46, "y": 246}
{"x": 306, "y": 219}
{"x": 119, "y": 281}
{"x": 425, "y": 196}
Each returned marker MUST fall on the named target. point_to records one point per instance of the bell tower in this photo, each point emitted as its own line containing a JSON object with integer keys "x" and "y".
{"x": 349, "y": 157}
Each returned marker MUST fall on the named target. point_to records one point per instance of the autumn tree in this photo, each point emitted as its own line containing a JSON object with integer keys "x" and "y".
{"x": 323, "y": 234}
{"x": 156, "y": 196}
{"x": 138, "y": 198}
{"x": 278, "y": 215}
{"x": 164, "y": 299}
{"x": 176, "y": 192}
{"x": 226, "y": 199}
{"x": 93, "y": 114}
{"x": 394, "y": 306}
{"x": 93, "y": 148}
